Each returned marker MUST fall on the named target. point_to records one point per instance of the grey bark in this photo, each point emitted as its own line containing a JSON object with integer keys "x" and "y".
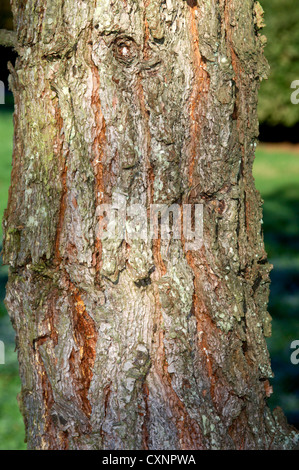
{"x": 8, "y": 38}
{"x": 140, "y": 345}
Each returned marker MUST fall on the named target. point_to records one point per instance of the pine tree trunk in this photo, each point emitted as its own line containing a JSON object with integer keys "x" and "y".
{"x": 140, "y": 345}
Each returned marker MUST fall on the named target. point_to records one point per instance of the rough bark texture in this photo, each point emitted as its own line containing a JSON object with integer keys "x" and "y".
{"x": 140, "y": 345}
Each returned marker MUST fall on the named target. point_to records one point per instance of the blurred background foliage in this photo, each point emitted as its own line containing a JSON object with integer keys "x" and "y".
{"x": 282, "y": 51}
{"x": 276, "y": 172}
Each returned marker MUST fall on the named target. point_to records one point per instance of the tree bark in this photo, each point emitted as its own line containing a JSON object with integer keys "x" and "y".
{"x": 140, "y": 345}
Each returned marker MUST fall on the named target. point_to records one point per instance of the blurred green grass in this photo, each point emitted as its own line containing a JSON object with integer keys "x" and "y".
{"x": 11, "y": 421}
{"x": 276, "y": 172}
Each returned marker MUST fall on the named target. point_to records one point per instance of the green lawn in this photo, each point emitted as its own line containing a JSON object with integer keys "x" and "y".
{"x": 11, "y": 422}
{"x": 277, "y": 177}
{"x": 276, "y": 174}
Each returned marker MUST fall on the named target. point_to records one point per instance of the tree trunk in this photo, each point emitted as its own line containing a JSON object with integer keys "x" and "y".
{"x": 135, "y": 344}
